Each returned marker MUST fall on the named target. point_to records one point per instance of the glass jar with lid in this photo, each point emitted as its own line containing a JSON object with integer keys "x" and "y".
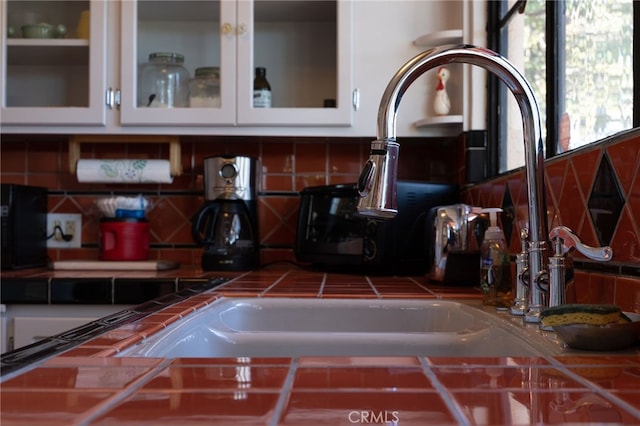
{"x": 164, "y": 82}
{"x": 204, "y": 89}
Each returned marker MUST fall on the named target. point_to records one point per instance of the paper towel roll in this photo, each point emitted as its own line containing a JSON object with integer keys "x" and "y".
{"x": 124, "y": 171}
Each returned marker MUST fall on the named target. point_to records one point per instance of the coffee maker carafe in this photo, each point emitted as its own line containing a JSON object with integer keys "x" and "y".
{"x": 227, "y": 225}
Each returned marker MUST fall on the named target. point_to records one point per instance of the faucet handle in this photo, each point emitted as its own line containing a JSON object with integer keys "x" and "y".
{"x": 570, "y": 240}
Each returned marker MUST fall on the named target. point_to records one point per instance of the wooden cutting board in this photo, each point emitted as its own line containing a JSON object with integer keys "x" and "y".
{"x": 110, "y": 265}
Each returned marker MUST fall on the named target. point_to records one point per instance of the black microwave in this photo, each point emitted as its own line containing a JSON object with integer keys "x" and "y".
{"x": 331, "y": 235}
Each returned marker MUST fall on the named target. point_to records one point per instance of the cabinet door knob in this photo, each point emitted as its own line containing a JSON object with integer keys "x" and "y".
{"x": 355, "y": 99}
{"x": 117, "y": 98}
{"x": 242, "y": 28}
{"x": 227, "y": 28}
{"x": 109, "y": 98}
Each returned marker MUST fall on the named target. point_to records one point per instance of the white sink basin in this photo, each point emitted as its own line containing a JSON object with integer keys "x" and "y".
{"x": 269, "y": 327}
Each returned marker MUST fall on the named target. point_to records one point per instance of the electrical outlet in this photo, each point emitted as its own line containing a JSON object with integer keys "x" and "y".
{"x": 64, "y": 230}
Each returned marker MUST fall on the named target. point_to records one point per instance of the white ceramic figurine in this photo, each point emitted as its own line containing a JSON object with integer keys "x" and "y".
{"x": 442, "y": 104}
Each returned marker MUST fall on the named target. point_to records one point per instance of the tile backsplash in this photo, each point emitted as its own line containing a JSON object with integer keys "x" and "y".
{"x": 287, "y": 166}
{"x": 594, "y": 190}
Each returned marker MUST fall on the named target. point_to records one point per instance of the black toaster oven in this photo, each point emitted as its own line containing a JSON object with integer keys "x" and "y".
{"x": 332, "y": 236}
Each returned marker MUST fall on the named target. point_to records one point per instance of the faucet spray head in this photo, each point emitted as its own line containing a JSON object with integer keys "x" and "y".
{"x": 377, "y": 182}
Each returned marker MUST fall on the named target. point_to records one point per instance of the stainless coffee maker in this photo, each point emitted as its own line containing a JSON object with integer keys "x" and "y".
{"x": 456, "y": 235}
{"x": 227, "y": 225}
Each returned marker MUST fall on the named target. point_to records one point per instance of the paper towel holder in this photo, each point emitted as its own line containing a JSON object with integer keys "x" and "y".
{"x": 175, "y": 163}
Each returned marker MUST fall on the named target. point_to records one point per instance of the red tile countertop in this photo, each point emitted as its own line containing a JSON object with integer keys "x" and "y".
{"x": 87, "y": 385}
{"x": 181, "y": 272}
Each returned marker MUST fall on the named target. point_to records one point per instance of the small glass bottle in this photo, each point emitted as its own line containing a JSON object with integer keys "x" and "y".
{"x": 164, "y": 82}
{"x": 204, "y": 89}
{"x": 261, "y": 89}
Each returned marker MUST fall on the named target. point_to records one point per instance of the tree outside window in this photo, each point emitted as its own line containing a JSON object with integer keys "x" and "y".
{"x": 594, "y": 71}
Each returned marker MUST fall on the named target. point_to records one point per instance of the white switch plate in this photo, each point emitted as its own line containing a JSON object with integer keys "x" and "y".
{"x": 62, "y": 227}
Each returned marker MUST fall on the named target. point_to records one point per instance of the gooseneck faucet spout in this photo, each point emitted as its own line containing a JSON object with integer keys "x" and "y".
{"x": 377, "y": 183}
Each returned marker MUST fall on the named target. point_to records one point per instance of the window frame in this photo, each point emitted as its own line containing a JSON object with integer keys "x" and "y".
{"x": 498, "y": 18}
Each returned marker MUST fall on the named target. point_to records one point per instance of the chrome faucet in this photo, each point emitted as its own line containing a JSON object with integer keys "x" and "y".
{"x": 377, "y": 182}
{"x": 519, "y": 306}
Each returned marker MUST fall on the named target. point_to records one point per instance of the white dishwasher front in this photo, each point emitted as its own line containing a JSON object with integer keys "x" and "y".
{"x": 26, "y": 324}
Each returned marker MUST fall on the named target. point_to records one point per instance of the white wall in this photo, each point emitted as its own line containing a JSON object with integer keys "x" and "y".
{"x": 384, "y": 31}
{"x": 475, "y": 30}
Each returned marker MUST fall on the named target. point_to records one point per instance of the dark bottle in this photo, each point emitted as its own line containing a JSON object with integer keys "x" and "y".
{"x": 261, "y": 89}
{"x": 329, "y": 103}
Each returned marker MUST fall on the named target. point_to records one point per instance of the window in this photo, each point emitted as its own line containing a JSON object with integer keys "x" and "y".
{"x": 578, "y": 57}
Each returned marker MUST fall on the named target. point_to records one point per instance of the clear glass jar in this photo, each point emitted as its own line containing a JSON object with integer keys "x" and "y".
{"x": 164, "y": 82}
{"x": 204, "y": 89}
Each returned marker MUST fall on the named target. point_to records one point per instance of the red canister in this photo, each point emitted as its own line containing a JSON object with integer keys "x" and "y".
{"x": 124, "y": 239}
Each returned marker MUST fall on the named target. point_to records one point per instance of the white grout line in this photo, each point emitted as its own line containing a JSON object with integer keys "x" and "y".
{"x": 120, "y": 395}
{"x": 607, "y": 394}
{"x": 230, "y": 280}
{"x": 373, "y": 287}
{"x": 413, "y": 280}
{"x": 452, "y": 405}
{"x": 285, "y": 393}
{"x": 275, "y": 283}
{"x": 322, "y": 284}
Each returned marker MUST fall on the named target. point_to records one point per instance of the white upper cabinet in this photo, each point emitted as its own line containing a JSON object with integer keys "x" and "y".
{"x": 304, "y": 45}
{"x": 53, "y": 81}
{"x": 313, "y": 50}
{"x": 91, "y": 85}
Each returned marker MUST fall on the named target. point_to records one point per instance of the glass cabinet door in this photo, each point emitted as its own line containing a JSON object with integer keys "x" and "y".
{"x": 164, "y": 44}
{"x": 305, "y": 46}
{"x": 53, "y": 55}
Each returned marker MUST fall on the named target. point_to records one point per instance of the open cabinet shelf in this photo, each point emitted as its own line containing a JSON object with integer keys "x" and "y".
{"x": 439, "y": 38}
{"x": 443, "y": 120}
{"x": 452, "y": 123}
